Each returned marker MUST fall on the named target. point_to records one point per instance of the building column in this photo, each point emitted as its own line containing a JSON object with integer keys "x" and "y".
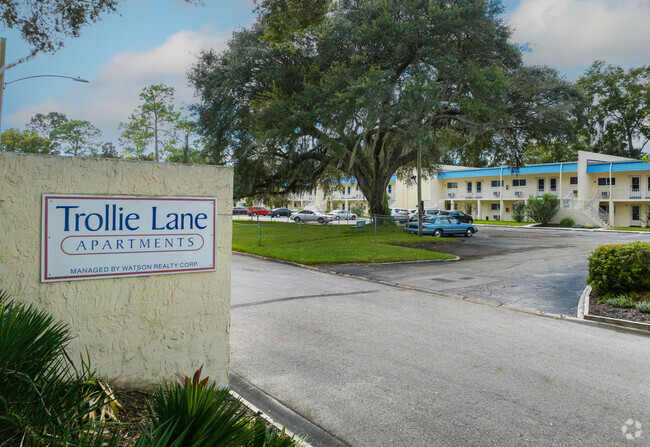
{"x": 501, "y": 209}
{"x": 478, "y": 209}
{"x": 611, "y": 212}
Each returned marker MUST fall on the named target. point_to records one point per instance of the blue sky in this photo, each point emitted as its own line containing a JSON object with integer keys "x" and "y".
{"x": 155, "y": 41}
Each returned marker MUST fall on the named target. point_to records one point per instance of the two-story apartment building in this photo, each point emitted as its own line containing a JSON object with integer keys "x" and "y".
{"x": 596, "y": 189}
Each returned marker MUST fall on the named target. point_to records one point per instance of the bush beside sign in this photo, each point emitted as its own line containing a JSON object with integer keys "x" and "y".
{"x": 87, "y": 237}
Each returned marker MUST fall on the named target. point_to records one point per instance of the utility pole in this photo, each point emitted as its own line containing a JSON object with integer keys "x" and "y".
{"x": 420, "y": 210}
{"x": 3, "y": 50}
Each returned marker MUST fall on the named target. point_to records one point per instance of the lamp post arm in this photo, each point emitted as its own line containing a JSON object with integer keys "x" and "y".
{"x": 78, "y": 79}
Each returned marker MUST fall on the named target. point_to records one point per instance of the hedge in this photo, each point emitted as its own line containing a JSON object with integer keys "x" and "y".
{"x": 620, "y": 268}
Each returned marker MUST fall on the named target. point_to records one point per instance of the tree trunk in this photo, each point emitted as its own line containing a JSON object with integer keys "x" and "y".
{"x": 186, "y": 148}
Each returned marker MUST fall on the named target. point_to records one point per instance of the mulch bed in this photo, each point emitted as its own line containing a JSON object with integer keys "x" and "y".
{"x": 606, "y": 310}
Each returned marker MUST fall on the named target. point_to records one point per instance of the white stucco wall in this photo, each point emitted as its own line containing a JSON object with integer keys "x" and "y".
{"x": 137, "y": 330}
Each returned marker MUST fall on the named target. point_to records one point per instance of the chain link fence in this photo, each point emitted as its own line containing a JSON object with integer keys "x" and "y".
{"x": 262, "y": 228}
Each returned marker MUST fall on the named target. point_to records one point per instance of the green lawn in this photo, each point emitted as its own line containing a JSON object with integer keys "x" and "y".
{"x": 330, "y": 244}
{"x": 629, "y": 229}
{"x": 503, "y": 222}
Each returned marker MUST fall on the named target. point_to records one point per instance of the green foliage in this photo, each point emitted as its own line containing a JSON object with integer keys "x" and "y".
{"x": 28, "y": 142}
{"x": 643, "y": 306}
{"x": 620, "y": 269}
{"x": 44, "y": 399}
{"x": 76, "y": 137}
{"x": 617, "y": 115}
{"x": 196, "y": 413}
{"x": 358, "y": 209}
{"x": 542, "y": 209}
{"x": 624, "y": 301}
{"x": 519, "y": 211}
{"x": 46, "y": 24}
{"x": 154, "y": 121}
{"x": 43, "y": 125}
{"x": 384, "y": 80}
{"x": 567, "y": 222}
{"x": 283, "y": 19}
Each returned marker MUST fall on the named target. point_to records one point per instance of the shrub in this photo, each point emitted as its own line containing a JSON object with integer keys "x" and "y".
{"x": 567, "y": 222}
{"x": 623, "y": 301}
{"x": 620, "y": 269}
{"x": 643, "y": 306}
{"x": 542, "y": 209}
{"x": 519, "y": 211}
{"x": 44, "y": 399}
{"x": 358, "y": 209}
{"x": 195, "y": 413}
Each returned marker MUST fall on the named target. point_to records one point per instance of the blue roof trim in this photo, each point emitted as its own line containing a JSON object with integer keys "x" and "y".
{"x": 495, "y": 172}
{"x": 619, "y": 167}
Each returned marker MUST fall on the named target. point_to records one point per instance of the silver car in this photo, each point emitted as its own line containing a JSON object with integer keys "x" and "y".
{"x": 309, "y": 216}
{"x": 342, "y": 215}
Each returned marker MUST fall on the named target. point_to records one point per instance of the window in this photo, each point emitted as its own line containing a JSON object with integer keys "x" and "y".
{"x": 604, "y": 181}
{"x": 348, "y": 190}
{"x": 497, "y": 183}
{"x": 390, "y": 189}
{"x": 540, "y": 184}
{"x": 452, "y": 185}
{"x": 479, "y": 184}
{"x": 469, "y": 187}
{"x": 519, "y": 182}
{"x": 495, "y": 207}
{"x": 573, "y": 181}
{"x": 553, "y": 184}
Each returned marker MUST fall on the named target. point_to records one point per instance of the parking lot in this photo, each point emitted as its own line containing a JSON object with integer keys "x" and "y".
{"x": 542, "y": 269}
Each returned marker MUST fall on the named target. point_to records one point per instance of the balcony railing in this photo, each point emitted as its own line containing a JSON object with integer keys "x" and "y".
{"x": 623, "y": 194}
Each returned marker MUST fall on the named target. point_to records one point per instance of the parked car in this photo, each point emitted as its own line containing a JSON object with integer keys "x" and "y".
{"x": 342, "y": 215}
{"x": 465, "y": 218}
{"x": 239, "y": 210}
{"x": 257, "y": 211}
{"x": 441, "y": 226}
{"x": 399, "y": 215}
{"x": 278, "y": 212}
{"x": 309, "y": 216}
{"x": 427, "y": 213}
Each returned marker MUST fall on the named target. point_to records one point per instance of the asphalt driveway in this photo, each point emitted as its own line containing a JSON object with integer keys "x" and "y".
{"x": 541, "y": 269}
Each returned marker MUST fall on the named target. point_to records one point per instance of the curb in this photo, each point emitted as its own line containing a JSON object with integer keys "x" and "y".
{"x": 592, "y": 230}
{"x": 301, "y": 442}
{"x": 310, "y": 434}
{"x": 313, "y": 267}
{"x": 625, "y": 324}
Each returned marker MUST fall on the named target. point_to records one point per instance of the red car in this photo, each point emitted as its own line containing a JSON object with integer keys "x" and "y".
{"x": 257, "y": 211}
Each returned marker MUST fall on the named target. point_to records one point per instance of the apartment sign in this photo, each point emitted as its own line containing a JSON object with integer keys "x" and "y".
{"x": 86, "y": 237}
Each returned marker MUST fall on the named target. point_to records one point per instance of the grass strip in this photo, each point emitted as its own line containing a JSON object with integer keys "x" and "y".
{"x": 629, "y": 229}
{"x": 332, "y": 244}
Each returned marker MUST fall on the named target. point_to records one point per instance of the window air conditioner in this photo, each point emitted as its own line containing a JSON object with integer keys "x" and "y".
{"x": 496, "y": 217}
{"x": 451, "y": 194}
{"x": 604, "y": 193}
{"x": 575, "y": 192}
{"x": 518, "y": 193}
{"x": 497, "y": 193}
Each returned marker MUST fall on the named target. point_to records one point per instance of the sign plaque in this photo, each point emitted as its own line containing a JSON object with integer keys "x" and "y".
{"x": 89, "y": 237}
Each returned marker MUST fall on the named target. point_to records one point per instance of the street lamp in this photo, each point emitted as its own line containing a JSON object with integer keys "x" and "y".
{"x": 78, "y": 79}
{"x": 5, "y": 84}
{"x": 3, "y": 46}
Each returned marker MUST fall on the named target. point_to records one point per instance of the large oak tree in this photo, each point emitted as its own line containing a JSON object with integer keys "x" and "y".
{"x": 386, "y": 79}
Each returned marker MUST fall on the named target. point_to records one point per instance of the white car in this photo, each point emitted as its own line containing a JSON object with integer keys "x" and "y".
{"x": 309, "y": 216}
{"x": 427, "y": 213}
{"x": 342, "y": 215}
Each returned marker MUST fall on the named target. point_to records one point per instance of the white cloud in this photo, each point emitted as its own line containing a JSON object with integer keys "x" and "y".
{"x": 571, "y": 34}
{"x": 114, "y": 93}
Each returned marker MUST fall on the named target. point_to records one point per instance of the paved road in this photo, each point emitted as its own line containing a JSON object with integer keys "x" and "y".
{"x": 538, "y": 269}
{"x": 380, "y": 366}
